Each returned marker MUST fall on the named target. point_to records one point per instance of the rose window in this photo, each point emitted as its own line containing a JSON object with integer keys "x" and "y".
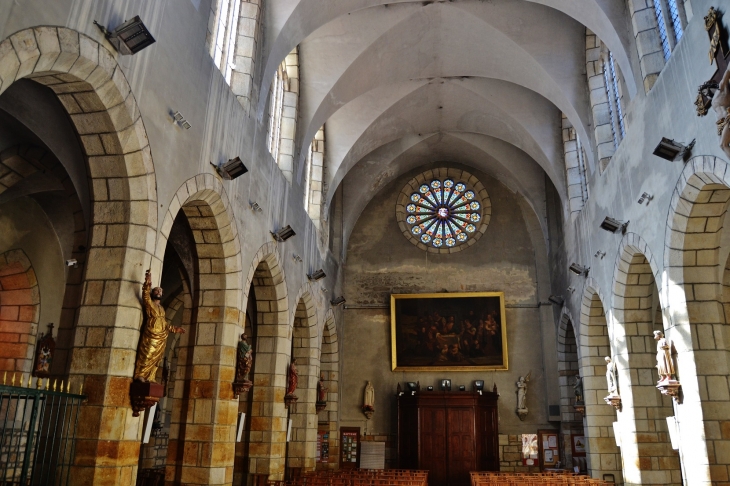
{"x": 443, "y": 213}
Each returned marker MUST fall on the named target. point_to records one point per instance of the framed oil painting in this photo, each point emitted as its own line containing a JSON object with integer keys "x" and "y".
{"x": 448, "y": 331}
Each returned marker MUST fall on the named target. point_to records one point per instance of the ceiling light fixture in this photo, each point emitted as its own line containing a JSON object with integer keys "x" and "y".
{"x": 645, "y": 197}
{"x": 556, "y": 299}
{"x": 338, "y": 301}
{"x": 232, "y": 169}
{"x": 177, "y": 116}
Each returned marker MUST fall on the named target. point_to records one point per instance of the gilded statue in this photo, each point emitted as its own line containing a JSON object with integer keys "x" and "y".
{"x": 154, "y": 334}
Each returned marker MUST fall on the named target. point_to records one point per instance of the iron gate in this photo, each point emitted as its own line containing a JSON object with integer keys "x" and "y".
{"x": 37, "y": 432}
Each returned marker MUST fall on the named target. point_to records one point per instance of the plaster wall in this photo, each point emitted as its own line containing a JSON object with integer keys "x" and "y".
{"x": 381, "y": 261}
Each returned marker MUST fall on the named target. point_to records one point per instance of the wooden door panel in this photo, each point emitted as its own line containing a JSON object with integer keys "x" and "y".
{"x": 461, "y": 429}
{"x": 433, "y": 445}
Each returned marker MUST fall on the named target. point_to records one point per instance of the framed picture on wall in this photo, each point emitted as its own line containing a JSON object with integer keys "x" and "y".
{"x": 579, "y": 445}
{"x": 449, "y": 332}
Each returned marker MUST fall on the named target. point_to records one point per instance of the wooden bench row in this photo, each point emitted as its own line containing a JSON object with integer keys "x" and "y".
{"x": 534, "y": 479}
{"x": 363, "y": 477}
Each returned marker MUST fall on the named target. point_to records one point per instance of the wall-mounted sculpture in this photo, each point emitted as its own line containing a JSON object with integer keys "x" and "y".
{"x": 45, "y": 349}
{"x": 613, "y": 398}
{"x": 521, "y": 384}
{"x": 579, "y": 405}
{"x": 321, "y": 394}
{"x": 144, "y": 392}
{"x": 292, "y": 380}
{"x": 667, "y": 383}
{"x": 244, "y": 363}
{"x": 368, "y": 403}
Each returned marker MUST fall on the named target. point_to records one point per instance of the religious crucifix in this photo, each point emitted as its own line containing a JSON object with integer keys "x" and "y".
{"x": 718, "y": 54}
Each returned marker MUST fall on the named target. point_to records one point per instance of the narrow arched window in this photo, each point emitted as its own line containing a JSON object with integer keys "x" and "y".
{"x": 275, "y": 111}
{"x": 615, "y": 112}
{"x": 314, "y": 177}
{"x": 669, "y": 16}
{"x": 283, "y": 112}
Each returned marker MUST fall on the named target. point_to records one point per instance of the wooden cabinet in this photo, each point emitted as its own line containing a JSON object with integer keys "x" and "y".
{"x": 449, "y": 434}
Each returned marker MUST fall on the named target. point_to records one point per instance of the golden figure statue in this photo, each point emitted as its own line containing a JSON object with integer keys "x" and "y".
{"x": 154, "y": 335}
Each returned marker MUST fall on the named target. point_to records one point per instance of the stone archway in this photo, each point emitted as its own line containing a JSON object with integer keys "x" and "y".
{"x": 197, "y": 454}
{"x": 695, "y": 246}
{"x": 603, "y": 456}
{"x": 305, "y": 348}
{"x": 645, "y": 445}
{"x": 328, "y": 419}
{"x": 93, "y": 89}
{"x": 272, "y": 350}
{"x": 571, "y": 422}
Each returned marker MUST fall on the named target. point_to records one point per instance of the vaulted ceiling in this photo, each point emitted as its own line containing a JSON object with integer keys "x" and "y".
{"x": 479, "y": 82}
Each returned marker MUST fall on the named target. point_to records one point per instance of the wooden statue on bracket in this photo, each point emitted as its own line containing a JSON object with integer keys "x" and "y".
{"x": 44, "y": 354}
{"x": 292, "y": 380}
{"x": 321, "y": 394}
{"x": 667, "y": 383}
{"x": 613, "y": 398}
{"x": 244, "y": 363}
{"x": 144, "y": 392}
{"x": 718, "y": 54}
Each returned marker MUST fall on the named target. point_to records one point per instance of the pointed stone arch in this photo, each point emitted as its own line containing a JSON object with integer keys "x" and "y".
{"x": 94, "y": 91}
{"x": 645, "y": 447}
{"x": 305, "y": 348}
{"x": 207, "y": 350}
{"x": 272, "y": 351}
{"x": 330, "y": 367}
{"x": 603, "y": 455}
{"x": 571, "y": 422}
{"x": 697, "y": 324}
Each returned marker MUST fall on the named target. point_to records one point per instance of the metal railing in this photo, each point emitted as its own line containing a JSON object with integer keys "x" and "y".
{"x": 37, "y": 431}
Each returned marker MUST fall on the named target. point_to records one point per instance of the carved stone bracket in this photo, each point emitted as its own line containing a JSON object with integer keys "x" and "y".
{"x": 368, "y": 413}
{"x": 521, "y": 413}
{"x": 241, "y": 387}
{"x": 580, "y": 407}
{"x": 669, "y": 388}
{"x": 614, "y": 401}
{"x": 290, "y": 399}
{"x": 319, "y": 406}
{"x": 144, "y": 395}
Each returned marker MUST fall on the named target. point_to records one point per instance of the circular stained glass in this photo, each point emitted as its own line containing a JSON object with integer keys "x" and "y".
{"x": 443, "y": 212}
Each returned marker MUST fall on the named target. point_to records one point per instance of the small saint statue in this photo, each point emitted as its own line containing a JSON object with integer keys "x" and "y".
{"x": 244, "y": 363}
{"x": 667, "y": 383}
{"x": 368, "y": 403}
{"x": 578, "y": 389}
{"x": 154, "y": 334}
{"x": 611, "y": 377}
{"x": 321, "y": 389}
{"x": 522, "y": 396}
{"x": 292, "y": 380}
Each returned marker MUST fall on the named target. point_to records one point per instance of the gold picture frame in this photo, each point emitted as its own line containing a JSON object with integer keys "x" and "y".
{"x": 435, "y": 332}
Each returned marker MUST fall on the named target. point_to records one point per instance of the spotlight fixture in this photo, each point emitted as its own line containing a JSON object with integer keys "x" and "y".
{"x": 130, "y": 37}
{"x": 412, "y": 387}
{"x": 429, "y": 388}
{"x": 556, "y": 299}
{"x": 72, "y": 263}
{"x": 670, "y": 150}
{"x": 318, "y": 275}
{"x": 255, "y": 207}
{"x": 177, "y": 116}
{"x": 571, "y": 289}
{"x": 231, "y": 169}
{"x": 645, "y": 197}
{"x": 296, "y": 258}
{"x": 462, "y": 388}
{"x": 283, "y": 234}
{"x": 614, "y": 225}
{"x": 445, "y": 385}
{"x": 338, "y": 301}
{"x": 479, "y": 386}
{"x": 579, "y": 269}
{"x": 600, "y": 254}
